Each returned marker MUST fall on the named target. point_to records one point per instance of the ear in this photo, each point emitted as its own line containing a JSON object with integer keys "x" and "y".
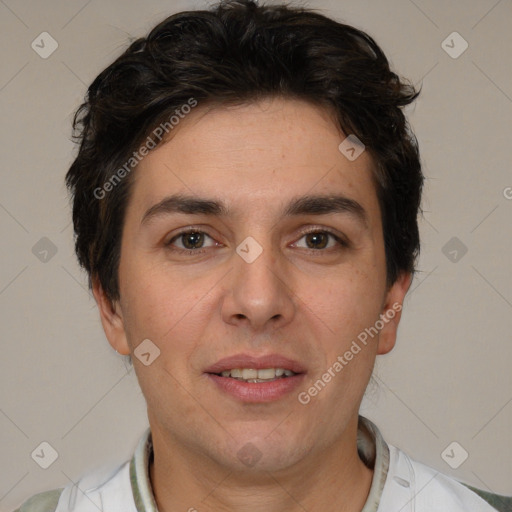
{"x": 392, "y": 311}
{"x": 111, "y": 319}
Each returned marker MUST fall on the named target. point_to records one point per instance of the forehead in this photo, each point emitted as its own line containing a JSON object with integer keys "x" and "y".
{"x": 264, "y": 151}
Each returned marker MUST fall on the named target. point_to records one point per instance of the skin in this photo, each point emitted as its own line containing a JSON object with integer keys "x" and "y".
{"x": 297, "y": 300}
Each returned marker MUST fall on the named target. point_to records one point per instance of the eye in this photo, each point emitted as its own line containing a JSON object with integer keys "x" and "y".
{"x": 320, "y": 238}
{"x": 191, "y": 240}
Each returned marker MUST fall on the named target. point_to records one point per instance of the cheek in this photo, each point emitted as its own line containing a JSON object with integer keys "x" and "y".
{"x": 348, "y": 301}
{"x": 165, "y": 309}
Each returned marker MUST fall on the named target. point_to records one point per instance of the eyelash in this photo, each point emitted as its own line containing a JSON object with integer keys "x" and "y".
{"x": 341, "y": 242}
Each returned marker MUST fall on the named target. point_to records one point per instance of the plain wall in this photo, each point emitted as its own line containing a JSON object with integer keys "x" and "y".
{"x": 449, "y": 377}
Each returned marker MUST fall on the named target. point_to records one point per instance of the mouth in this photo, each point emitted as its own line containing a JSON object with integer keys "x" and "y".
{"x": 256, "y": 379}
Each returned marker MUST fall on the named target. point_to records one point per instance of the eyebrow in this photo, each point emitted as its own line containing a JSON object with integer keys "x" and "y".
{"x": 304, "y": 205}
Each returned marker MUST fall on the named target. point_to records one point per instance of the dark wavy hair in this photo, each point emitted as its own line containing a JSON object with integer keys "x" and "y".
{"x": 240, "y": 52}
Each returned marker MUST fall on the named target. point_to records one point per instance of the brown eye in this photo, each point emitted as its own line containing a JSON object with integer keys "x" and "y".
{"x": 190, "y": 241}
{"x": 320, "y": 239}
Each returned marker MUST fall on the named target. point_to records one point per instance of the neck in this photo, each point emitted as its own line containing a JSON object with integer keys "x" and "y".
{"x": 335, "y": 480}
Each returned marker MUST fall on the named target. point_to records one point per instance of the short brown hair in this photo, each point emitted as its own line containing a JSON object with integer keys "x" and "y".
{"x": 240, "y": 52}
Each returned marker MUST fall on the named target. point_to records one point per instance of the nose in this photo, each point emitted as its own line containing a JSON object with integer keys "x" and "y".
{"x": 260, "y": 292}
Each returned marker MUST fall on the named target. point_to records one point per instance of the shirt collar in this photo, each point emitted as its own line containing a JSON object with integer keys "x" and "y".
{"x": 374, "y": 452}
{"x": 372, "y": 448}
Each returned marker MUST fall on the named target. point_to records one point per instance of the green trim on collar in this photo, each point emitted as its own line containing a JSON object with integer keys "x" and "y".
{"x": 135, "y": 487}
{"x": 374, "y": 451}
{"x": 139, "y": 475}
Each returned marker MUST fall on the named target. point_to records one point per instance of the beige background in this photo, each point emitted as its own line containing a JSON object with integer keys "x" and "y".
{"x": 449, "y": 378}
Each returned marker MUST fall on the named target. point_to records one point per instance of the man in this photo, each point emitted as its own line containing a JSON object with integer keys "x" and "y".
{"x": 245, "y": 203}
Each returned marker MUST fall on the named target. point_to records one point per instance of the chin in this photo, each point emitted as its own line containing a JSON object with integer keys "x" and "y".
{"x": 253, "y": 452}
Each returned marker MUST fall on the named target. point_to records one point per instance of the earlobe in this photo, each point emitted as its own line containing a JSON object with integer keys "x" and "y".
{"x": 111, "y": 319}
{"x": 392, "y": 312}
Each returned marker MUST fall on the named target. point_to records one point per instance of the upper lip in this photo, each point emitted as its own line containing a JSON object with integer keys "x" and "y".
{"x": 255, "y": 362}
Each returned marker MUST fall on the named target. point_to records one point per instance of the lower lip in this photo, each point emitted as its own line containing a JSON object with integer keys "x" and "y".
{"x": 257, "y": 392}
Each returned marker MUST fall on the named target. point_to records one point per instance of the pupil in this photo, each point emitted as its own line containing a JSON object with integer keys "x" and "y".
{"x": 315, "y": 237}
{"x": 194, "y": 238}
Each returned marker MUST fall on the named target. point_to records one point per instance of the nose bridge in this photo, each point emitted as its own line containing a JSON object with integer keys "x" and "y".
{"x": 256, "y": 268}
{"x": 259, "y": 292}
{"x": 257, "y": 264}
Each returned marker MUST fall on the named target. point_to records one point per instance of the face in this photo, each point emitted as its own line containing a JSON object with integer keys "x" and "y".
{"x": 251, "y": 242}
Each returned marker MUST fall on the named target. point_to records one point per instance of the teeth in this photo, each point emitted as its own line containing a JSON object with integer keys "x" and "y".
{"x": 249, "y": 374}
{"x": 268, "y": 373}
{"x": 253, "y": 375}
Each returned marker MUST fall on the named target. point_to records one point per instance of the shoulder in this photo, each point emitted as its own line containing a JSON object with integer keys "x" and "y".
{"x": 421, "y": 487}
{"x": 42, "y": 502}
{"x": 499, "y": 502}
{"x": 107, "y": 488}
